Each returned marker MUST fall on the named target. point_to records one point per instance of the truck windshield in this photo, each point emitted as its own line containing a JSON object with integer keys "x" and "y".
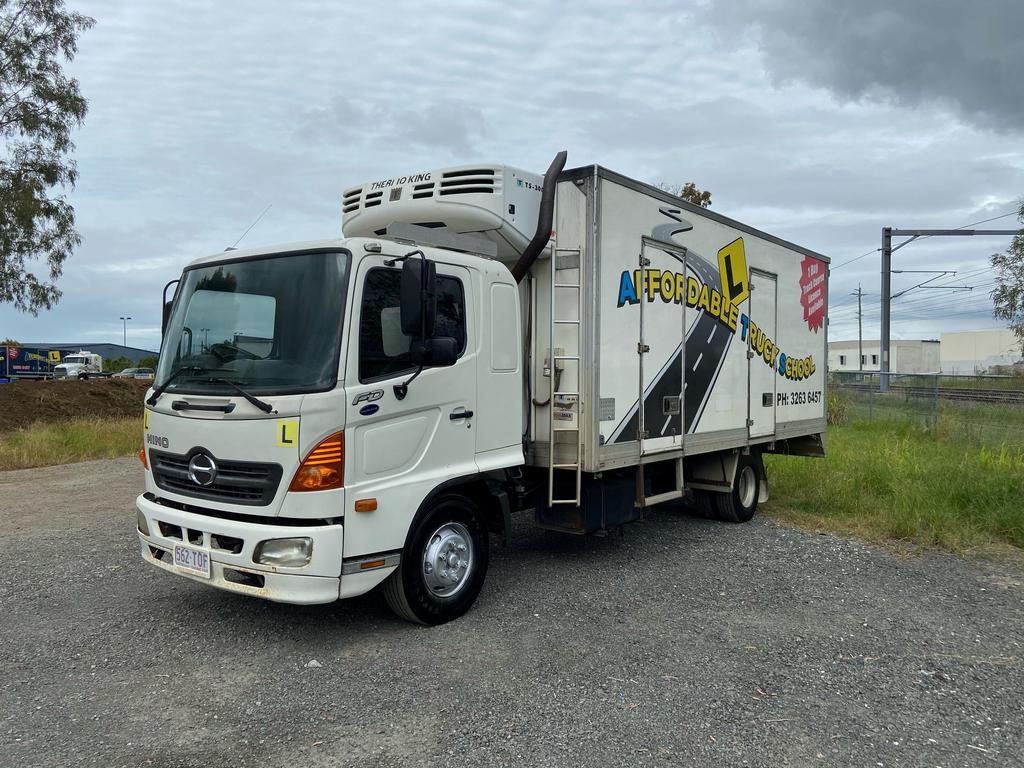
{"x": 270, "y": 324}
{"x": 71, "y": 359}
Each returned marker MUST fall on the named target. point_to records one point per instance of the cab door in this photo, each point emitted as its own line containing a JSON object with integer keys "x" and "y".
{"x": 398, "y": 449}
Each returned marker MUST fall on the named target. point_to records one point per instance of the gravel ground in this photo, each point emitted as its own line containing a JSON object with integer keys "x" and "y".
{"x": 684, "y": 642}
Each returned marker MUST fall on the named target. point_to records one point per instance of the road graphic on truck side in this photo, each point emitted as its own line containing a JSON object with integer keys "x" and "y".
{"x": 706, "y": 345}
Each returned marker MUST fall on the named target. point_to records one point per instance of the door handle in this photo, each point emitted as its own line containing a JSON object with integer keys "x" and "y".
{"x": 456, "y": 415}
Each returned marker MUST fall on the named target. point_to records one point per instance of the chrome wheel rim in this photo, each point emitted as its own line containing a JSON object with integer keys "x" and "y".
{"x": 746, "y": 487}
{"x": 448, "y": 559}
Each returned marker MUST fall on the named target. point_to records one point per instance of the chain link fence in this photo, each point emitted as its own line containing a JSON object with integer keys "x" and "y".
{"x": 986, "y": 410}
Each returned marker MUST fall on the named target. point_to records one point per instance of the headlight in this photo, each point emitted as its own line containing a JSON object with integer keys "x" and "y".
{"x": 290, "y": 553}
{"x": 143, "y": 525}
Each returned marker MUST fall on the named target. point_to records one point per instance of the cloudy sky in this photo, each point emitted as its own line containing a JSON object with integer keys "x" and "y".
{"x": 819, "y": 121}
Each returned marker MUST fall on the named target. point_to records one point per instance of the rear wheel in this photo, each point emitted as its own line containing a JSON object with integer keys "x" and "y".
{"x": 740, "y": 504}
{"x": 443, "y": 564}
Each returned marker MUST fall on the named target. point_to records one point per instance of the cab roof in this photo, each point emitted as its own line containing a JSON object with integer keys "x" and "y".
{"x": 355, "y": 246}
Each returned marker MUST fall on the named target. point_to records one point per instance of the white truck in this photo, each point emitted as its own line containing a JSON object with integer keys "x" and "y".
{"x": 336, "y": 415}
{"x": 80, "y": 365}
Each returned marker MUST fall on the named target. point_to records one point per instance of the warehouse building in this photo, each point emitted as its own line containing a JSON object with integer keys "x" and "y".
{"x": 104, "y": 350}
{"x": 970, "y": 352}
{"x": 905, "y": 355}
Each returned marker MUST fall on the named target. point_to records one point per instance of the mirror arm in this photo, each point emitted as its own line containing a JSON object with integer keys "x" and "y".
{"x": 401, "y": 390}
{"x": 392, "y": 260}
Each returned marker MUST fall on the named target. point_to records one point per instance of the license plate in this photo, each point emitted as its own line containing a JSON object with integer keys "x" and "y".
{"x": 192, "y": 560}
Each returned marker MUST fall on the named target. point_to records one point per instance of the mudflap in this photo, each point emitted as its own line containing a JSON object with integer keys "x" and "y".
{"x": 607, "y": 501}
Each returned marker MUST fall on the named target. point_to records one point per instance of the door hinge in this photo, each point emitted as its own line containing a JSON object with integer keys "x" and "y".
{"x": 644, "y": 434}
{"x": 750, "y": 422}
{"x": 641, "y": 348}
{"x": 750, "y": 355}
{"x": 644, "y": 261}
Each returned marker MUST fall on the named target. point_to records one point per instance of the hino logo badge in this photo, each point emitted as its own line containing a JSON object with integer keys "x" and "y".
{"x": 202, "y": 469}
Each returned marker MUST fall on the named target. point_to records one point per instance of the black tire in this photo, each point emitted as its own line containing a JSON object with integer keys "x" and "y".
{"x": 449, "y": 521}
{"x": 740, "y": 504}
{"x": 83, "y": 376}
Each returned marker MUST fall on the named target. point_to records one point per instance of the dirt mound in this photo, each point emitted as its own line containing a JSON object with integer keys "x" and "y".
{"x": 25, "y": 402}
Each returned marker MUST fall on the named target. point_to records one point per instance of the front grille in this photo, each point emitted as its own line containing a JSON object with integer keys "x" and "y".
{"x": 237, "y": 482}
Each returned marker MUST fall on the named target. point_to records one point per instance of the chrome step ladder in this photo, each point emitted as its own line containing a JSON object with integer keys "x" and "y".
{"x": 565, "y": 406}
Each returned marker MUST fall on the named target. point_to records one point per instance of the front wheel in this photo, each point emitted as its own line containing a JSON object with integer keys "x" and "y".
{"x": 83, "y": 376}
{"x": 443, "y": 564}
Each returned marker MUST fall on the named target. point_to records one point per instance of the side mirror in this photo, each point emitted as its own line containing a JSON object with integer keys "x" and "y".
{"x": 418, "y": 297}
{"x": 438, "y": 352}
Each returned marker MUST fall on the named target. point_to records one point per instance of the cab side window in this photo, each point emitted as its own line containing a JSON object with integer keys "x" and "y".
{"x": 383, "y": 348}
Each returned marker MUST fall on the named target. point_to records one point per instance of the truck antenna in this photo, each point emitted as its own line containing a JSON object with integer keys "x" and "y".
{"x": 234, "y": 244}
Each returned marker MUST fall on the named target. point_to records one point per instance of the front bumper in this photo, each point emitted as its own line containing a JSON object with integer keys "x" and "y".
{"x": 231, "y": 544}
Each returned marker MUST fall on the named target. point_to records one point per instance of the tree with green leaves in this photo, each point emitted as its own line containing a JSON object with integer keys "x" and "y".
{"x": 688, "y": 192}
{"x": 117, "y": 364}
{"x": 39, "y": 107}
{"x": 1008, "y": 295}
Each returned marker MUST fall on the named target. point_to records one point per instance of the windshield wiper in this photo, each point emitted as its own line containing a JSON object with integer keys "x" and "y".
{"x": 263, "y": 405}
{"x": 167, "y": 382}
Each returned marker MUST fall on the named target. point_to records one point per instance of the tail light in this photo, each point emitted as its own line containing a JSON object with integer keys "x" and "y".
{"x": 324, "y": 467}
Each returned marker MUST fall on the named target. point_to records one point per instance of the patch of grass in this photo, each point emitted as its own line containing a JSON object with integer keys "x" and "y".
{"x": 45, "y": 444}
{"x": 890, "y": 480}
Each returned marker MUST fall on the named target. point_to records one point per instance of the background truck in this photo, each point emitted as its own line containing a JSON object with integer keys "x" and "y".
{"x": 336, "y": 415}
{"x": 79, "y": 365}
{"x": 27, "y": 362}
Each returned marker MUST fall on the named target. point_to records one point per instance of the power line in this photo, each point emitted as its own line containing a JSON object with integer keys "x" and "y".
{"x": 1014, "y": 212}
{"x": 947, "y": 284}
{"x": 858, "y": 258}
{"x": 842, "y": 309}
{"x": 936, "y": 310}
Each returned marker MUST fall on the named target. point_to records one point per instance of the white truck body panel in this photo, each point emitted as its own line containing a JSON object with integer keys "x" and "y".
{"x": 613, "y": 221}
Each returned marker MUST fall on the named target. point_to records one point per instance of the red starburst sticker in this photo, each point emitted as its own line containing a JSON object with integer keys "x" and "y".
{"x": 812, "y": 292}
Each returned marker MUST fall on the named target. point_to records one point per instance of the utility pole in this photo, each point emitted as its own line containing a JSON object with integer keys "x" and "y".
{"x": 860, "y": 328}
{"x": 887, "y": 251}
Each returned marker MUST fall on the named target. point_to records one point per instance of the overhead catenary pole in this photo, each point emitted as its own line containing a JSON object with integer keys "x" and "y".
{"x": 887, "y": 235}
{"x": 883, "y": 352}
